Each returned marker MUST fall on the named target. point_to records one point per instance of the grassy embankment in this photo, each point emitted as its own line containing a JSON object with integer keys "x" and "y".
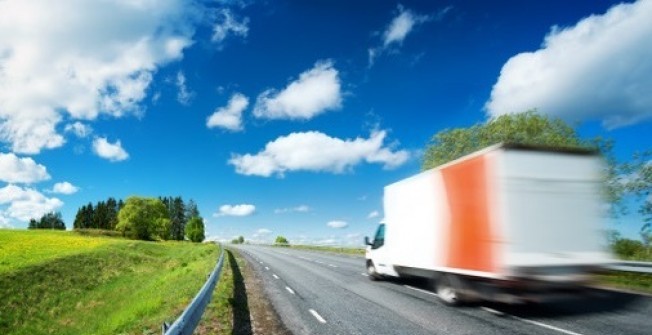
{"x": 63, "y": 283}
{"x": 339, "y": 250}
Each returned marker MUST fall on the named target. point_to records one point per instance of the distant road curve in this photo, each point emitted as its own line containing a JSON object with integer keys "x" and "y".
{"x": 324, "y": 293}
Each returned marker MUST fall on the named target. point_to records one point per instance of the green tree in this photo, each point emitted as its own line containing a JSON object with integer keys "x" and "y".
{"x": 195, "y": 229}
{"x": 636, "y": 178}
{"x": 239, "y": 240}
{"x": 177, "y": 210}
{"x": 51, "y": 220}
{"x": 112, "y": 213}
{"x": 144, "y": 219}
{"x": 191, "y": 209}
{"x": 280, "y": 240}
{"x": 527, "y": 128}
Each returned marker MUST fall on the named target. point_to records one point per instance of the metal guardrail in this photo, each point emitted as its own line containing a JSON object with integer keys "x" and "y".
{"x": 188, "y": 320}
{"x": 631, "y": 266}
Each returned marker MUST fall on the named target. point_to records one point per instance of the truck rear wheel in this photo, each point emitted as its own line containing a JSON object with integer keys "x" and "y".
{"x": 447, "y": 289}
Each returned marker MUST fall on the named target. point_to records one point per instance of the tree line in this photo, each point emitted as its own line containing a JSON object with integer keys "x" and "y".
{"x": 162, "y": 218}
{"x": 51, "y": 220}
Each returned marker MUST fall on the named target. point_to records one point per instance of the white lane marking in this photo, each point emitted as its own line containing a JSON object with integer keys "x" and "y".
{"x": 275, "y": 276}
{"x": 420, "y": 290}
{"x": 333, "y": 266}
{"x": 261, "y": 262}
{"x": 492, "y": 311}
{"x": 541, "y": 324}
{"x": 536, "y": 323}
{"x": 289, "y": 289}
{"x": 267, "y": 268}
{"x": 364, "y": 274}
{"x": 319, "y": 262}
{"x": 317, "y": 316}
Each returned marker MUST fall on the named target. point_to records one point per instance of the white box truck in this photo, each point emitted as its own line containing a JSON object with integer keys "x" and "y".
{"x": 505, "y": 223}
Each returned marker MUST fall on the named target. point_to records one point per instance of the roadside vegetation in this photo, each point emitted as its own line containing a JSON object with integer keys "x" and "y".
{"x": 239, "y": 305}
{"x": 66, "y": 283}
{"x": 339, "y": 250}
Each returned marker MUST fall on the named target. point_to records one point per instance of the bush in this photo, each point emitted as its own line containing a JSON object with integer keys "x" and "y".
{"x": 628, "y": 249}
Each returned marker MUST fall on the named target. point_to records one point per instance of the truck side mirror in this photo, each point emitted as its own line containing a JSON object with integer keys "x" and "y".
{"x": 366, "y": 240}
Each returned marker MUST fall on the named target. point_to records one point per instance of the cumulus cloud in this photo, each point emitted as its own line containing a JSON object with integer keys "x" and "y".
{"x": 297, "y": 209}
{"x": 14, "y": 169}
{"x": 80, "y": 130}
{"x": 315, "y": 151}
{"x": 183, "y": 94}
{"x": 5, "y": 223}
{"x": 111, "y": 151}
{"x": 230, "y": 116}
{"x": 399, "y": 28}
{"x": 600, "y": 68}
{"x": 25, "y": 203}
{"x": 337, "y": 224}
{"x": 235, "y": 210}
{"x": 316, "y": 91}
{"x": 262, "y": 232}
{"x": 226, "y": 24}
{"x": 373, "y": 215}
{"x": 64, "y": 188}
{"x": 66, "y": 59}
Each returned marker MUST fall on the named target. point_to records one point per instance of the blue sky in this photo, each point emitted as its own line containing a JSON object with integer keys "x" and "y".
{"x": 289, "y": 117}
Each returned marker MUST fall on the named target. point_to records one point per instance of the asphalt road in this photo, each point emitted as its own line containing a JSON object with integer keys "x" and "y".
{"x": 324, "y": 293}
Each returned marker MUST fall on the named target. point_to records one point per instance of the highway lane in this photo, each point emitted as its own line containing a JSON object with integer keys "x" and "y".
{"x": 324, "y": 293}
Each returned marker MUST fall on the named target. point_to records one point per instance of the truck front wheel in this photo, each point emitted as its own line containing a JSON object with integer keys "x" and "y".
{"x": 371, "y": 271}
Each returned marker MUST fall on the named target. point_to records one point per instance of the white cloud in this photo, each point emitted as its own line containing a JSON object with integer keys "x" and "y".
{"x": 26, "y": 203}
{"x": 5, "y": 223}
{"x": 601, "y": 68}
{"x": 401, "y": 26}
{"x": 80, "y": 130}
{"x": 64, "y": 188}
{"x": 373, "y": 215}
{"x": 337, "y": 224}
{"x": 183, "y": 94}
{"x": 69, "y": 59}
{"x": 111, "y": 151}
{"x": 316, "y": 91}
{"x": 397, "y": 30}
{"x": 315, "y": 151}
{"x": 262, "y": 232}
{"x": 236, "y": 210}
{"x": 297, "y": 209}
{"x": 227, "y": 24}
{"x": 230, "y": 116}
{"x": 14, "y": 169}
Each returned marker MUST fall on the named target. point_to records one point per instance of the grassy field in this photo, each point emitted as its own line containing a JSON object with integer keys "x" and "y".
{"x": 629, "y": 281}
{"x": 64, "y": 283}
{"x": 339, "y": 250}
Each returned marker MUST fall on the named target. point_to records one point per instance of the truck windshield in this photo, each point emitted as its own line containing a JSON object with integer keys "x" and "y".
{"x": 379, "y": 239}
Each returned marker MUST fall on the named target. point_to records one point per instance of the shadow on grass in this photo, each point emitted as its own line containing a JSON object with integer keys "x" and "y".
{"x": 241, "y": 318}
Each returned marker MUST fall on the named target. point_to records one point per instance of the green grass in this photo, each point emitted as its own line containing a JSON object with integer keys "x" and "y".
{"x": 627, "y": 280}
{"x": 64, "y": 283}
{"x": 339, "y": 250}
{"x": 228, "y": 311}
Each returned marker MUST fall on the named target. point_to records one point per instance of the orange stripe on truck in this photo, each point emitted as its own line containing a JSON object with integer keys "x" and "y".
{"x": 469, "y": 245}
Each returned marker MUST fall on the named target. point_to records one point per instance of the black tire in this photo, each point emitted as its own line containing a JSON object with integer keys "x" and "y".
{"x": 448, "y": 290}
{"x": 371, "y": 271}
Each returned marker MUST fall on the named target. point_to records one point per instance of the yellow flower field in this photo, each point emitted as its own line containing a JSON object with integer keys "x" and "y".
{"x": 20, "y": 248}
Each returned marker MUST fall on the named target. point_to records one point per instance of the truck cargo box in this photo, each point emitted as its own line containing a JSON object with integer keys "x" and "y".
{"x": 507, "y": 211}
